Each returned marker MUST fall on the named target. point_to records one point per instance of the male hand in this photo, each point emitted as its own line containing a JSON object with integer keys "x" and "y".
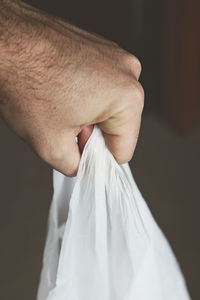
{"x": 57, "y": 80}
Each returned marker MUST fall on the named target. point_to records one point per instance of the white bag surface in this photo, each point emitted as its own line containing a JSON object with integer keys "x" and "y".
{"x": 102, "y": 242}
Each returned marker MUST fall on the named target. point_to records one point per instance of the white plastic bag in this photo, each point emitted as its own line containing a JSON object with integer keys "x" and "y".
{"x": 103, "y": 243}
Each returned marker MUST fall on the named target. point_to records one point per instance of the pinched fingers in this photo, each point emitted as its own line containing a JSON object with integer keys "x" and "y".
{"x": 122, "y": 129}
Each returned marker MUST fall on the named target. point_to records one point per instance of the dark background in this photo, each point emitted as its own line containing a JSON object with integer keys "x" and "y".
{"x": 164, "y": 35}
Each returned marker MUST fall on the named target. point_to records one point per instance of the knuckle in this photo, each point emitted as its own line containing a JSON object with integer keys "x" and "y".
{"x": 72, "y": 172}
{"x": 123, "y": 159}
{"x": 59, "y": 157}
{"x": 54, "y": 155}
{"x": 133, "y": 62}
{"x": 139, "y": 94}
{"x": 50, "y": 152}
{"x": 55, "y": 151}
{"x": 137, "y": 65}
{"x": 135, "y": 93}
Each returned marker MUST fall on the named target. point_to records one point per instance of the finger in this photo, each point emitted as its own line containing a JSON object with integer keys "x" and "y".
{"x": 135, "y": 66}
{"x": 122, "y": 129}
{"x": 84, "y": 136}
{"x": 131, "y": 62}
{"x": 64, "y": 155}
{"x": 122, "y": 143}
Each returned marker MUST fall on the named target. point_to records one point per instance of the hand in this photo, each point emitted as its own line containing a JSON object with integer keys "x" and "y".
{"x": 56, "y": 80}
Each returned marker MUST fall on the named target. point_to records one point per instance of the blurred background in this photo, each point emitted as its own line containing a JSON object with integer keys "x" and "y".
{"x": 164, "y": 35}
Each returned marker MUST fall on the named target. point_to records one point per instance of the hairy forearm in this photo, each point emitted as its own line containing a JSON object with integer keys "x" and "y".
{"x": 13, "y": 40}
{"x": 23, "y": 40}
{"x": 11, "y": 28}
{"x": 22, "y": 28}
{"x": 7, "y": 44}
{"x": 26, "y": 33}
{"x": 22, "y": 58}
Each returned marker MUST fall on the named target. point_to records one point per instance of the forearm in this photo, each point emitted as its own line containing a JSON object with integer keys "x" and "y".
{"x": 26, "y": 33}
{"x": 22, "y": 47}
{"x": 20, "y": 52}
{"x": 22, "y": 28}
{"x": 11, "y": 29}
{"x": 13, "y": 43}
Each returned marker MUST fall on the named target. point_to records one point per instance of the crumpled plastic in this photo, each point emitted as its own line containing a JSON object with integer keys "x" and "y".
{"x": 102, "y": 241}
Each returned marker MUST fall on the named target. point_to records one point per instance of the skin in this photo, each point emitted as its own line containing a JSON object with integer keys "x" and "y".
{"x": 57, "y": 81}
